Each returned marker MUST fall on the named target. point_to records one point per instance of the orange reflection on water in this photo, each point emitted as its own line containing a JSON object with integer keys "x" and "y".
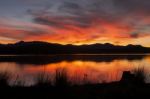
{"x": 95, "y": 71}
{"x": 77, "y": 70}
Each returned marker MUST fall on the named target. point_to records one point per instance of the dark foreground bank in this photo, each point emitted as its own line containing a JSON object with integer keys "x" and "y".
{"x": 99, "y": 91}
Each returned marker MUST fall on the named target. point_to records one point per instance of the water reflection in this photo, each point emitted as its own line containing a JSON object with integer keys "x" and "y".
{"x": 96, "y": 69}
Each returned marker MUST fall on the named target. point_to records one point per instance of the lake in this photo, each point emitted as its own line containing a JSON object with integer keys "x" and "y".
{"x": 79, "y": 68}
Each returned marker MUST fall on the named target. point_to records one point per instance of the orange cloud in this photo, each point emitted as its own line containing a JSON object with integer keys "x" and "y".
{"x": 66, "y": 30}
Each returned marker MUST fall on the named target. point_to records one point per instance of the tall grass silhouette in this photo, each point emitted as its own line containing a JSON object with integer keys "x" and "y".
{"x": 4, "y": 79}
{"x": 43, "y": 79}
{"x": 61, "y": 77}
{"x": 139, "y": 75}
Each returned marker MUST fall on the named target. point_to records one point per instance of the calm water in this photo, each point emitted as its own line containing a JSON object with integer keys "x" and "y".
{"x": 95, "y": 68}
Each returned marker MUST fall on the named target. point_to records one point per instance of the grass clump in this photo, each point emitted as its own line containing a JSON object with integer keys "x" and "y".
{"x": 61, "y": 78}
{"x": 4, "y": 78}
{"x": 43, "y": 79}
{"x": 139, "y": 75}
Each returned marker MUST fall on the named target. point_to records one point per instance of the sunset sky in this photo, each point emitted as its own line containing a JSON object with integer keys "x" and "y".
{"x": 120, "y": 22}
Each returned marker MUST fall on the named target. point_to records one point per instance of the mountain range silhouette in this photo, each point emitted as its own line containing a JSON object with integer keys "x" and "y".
{"x": 38, "y": 47}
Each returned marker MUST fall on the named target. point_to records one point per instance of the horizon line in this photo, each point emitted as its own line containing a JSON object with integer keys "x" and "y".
{"x": 72, "y": 44}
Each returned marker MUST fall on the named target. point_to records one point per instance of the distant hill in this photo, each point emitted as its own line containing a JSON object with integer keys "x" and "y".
{"x": 37, "y": 47}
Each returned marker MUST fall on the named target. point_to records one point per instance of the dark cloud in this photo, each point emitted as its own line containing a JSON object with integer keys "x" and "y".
{"x": 64, "y": 22}
{"x": 134, "y": 35}
{"x": 70, "y": 5}
{"x": 83, "y": 13}
{"x": 133, "y": 5}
